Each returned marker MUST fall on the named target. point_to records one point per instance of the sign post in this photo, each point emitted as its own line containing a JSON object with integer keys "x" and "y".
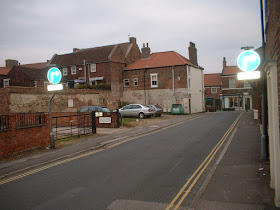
{"x": 248, "y": 61}
{"x": 54, "y": 76}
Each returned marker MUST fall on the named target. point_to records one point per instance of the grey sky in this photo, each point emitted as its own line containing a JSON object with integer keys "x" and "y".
{"x": 33, "y": 30}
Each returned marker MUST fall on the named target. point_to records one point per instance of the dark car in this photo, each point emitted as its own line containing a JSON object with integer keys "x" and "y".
{"x": 158, "y": 109}
{"x": 94, "y": 109}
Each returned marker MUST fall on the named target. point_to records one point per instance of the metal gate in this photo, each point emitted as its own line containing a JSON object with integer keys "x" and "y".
{"x": 72, "y": 125}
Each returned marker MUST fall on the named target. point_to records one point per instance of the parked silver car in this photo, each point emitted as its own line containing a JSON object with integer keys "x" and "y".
{"x": 137, "y": 110}
{"x": 158, "y": 109}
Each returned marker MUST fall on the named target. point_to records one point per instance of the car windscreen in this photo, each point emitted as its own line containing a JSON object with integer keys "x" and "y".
{"x": 106, "y": 110}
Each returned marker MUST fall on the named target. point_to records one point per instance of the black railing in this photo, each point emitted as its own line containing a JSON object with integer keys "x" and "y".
{"x": 4, "y": 122}
{"x": 30, "y": 119}
{"x": 71, "y": 125}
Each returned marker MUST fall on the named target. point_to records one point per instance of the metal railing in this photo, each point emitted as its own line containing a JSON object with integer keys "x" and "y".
{"x": 72, "y": 125}
{"x": 30, "y": 119}
{"x": 4, "y": 122}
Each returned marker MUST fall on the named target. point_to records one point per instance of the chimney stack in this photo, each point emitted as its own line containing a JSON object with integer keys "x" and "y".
{"x": 132, "y": 40}
{"x": 193, "y": 54}
{"x": 146, "y": 51}
{"x": 76, "y": 50}
{"x": 224, "y": 62}
{"x": 11, "y": 63}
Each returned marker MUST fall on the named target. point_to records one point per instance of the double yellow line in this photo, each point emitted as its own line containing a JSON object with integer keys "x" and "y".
{"x": 197, "y": 174}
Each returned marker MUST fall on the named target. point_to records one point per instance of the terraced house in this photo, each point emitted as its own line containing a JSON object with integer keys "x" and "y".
{"x": 165, "y": 78}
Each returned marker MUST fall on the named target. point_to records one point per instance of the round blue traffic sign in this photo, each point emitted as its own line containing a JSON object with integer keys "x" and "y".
{"x": 54, "y": 75}
{"x": 248, "y": 60}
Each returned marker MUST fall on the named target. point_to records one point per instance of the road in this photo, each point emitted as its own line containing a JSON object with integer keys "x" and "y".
{"x": 147, "y": 171}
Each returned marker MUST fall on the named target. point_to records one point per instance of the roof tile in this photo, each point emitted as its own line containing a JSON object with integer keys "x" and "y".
{"x": 161, "y": 59}
{"x": 212, "y": 79}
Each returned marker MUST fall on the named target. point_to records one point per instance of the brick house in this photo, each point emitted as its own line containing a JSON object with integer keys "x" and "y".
{"x": 237, "y": 94}
{"x": 212, "y": 90}
{"x": 97, "y": 65}
{"x": 165, "y": 78}
{"x": 271, "y": 68}
{"x": 4, "y": 81}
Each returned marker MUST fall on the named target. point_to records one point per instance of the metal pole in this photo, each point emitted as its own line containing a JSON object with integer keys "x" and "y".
{"x": 93, "y": 122}
{"x": 52, "y": 145}
{"x": 264, "y": 137}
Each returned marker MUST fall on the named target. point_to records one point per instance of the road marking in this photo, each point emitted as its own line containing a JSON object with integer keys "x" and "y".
{"x": 205, "y": 163}
{"x": 89, "y": 153}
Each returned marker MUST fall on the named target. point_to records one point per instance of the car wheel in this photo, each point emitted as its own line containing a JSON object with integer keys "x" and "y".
{"x": 141, "y": 115}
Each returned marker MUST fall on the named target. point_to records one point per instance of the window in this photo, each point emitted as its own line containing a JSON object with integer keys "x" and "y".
{"x": 189, "y": 83}
{"x": 65, "y": 71}
{"x": 93, "y": 67}
{"x": 247, "y": 84}
{"x": 6, "y": 82}
{"x": 154, "y": 80}
{"x": 35, "y": 83}
{"x": 136, "y": 107}
{"x": 231, "y": 82}
{"x": 135, "y": 81}
{"x": 126, "y": 82}
{"x": 73, "y": 70}
{"x": 213, "y": 90}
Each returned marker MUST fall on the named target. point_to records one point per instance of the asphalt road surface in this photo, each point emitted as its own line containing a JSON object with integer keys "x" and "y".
{"x": 147, "y": 171}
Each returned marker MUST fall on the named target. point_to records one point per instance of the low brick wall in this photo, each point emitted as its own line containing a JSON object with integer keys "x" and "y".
{"x": 113, "y": 124}
{"x": 14, "y": 140}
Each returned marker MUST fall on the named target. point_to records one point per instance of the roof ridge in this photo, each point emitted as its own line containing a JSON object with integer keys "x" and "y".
{"x": 179, "y": 56}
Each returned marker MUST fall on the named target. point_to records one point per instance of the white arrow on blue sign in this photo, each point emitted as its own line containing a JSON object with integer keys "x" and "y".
{"x": 248, "y": 60}
{"x": 54, "y": 75}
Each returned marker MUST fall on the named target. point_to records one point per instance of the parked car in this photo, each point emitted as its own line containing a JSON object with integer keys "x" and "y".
{"x": 94, "y": 109}
{"x": 158, "y": 109}
{"x": 137, "y": 110}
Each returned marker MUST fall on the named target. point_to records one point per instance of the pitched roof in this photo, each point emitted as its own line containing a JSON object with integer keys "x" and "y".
{"x": 161, "y": 59}
{"x": 4, "y": 70}
{"x": 32, "y": 73}
{"x": 91, "y": 55}
{"x": 230, "y": 70}
{"x": 212, "y": 79}
{"x": 36, "y": 65}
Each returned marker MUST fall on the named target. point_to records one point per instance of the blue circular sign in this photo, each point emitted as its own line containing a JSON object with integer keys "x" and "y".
{"x": 248, "y": 60}
{"x": 54, "y": 75}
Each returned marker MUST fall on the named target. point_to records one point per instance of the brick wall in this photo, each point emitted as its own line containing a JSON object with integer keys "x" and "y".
{"x": 25, "y": 99}
{"x": 16, "y": 140}
{"x": 272, "y": 49}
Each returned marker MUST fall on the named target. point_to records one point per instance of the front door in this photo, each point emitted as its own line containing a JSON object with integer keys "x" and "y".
{"x": 247, "y": 103}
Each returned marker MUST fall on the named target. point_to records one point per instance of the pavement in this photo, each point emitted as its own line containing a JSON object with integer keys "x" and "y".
{"x": 238, "y": 180}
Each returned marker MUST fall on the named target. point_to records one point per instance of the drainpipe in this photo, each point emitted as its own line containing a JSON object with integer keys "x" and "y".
{"x": 173, "y": 83}
{"x": 85, "y": 70}
{"x": 264, "y": 137}
{"x": 145, "y": 86}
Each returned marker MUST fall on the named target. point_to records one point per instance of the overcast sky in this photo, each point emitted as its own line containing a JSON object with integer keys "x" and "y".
{"x": 33, "y": 30}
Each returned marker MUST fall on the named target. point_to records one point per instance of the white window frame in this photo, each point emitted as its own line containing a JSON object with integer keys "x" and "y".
{"x": 135, "y": 81}
{"x": 156, "y": 80}
{"x": 93, "y": 67}
{"x": 73, "y": 70}
{"x": 4, "y": 81}
{"x": 247, "y": 84}
{"x": 189, "y": 70}
{"x": 212, "y": 90}
{"x": 126, "y": 81}
{"x": 189, "y": 83}
{"x": 35, "y": 83}
{"x": 231, "y": 83}
{"x": 64, "y": 71}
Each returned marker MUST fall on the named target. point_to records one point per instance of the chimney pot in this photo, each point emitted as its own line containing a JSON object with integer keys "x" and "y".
{"x": 146, "y": 51}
